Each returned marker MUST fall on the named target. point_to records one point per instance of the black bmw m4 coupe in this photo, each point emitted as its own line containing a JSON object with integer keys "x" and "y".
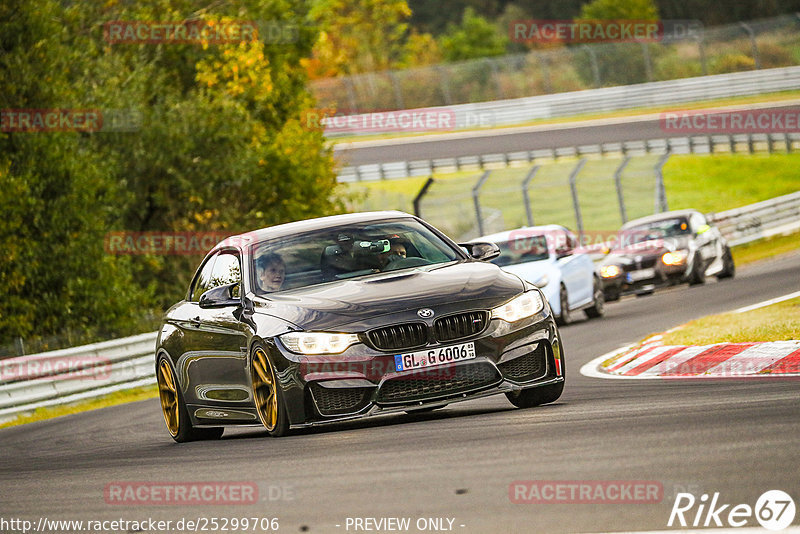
{"x": 343, "y": 317}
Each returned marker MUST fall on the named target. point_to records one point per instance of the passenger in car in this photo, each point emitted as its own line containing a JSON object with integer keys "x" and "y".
{"x": 271, "y": 272}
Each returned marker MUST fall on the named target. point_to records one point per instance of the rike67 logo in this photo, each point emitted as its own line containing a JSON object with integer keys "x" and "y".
{"x": 774, "y": 510}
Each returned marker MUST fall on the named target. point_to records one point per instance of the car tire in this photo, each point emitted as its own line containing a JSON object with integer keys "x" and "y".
{"x": 698, "y": 275}
{"x": 528, "y": 398}
{"x": 173, "y": 407}
{"x": 564, "y": 317}
{"x": 728, "y": 267}
{"x": 597, "y": 309}
{"x": 267, "y": 394}
{"x": 612, "y": 295}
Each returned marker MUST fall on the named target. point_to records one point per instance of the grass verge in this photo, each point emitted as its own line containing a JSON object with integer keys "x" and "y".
{"x": 112, "y": 399}
{"x": 778, "y": 322}
{"x": 765, "y": 248}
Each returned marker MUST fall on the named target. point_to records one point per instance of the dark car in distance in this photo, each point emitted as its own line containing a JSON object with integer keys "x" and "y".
{"x": 665, "y": 249}
{"x": 348, "y": 316}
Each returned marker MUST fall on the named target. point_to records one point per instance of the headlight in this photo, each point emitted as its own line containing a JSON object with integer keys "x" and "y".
{"x": 675, "y": 258}
{"x": 609, "y": 271}
{"x": 519, "y": 307}
{"x": 318, "y": 342}
{"x": 542, "y": 281}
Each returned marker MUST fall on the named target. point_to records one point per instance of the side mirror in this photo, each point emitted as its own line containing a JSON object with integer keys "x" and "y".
{"x": 221, "y": 296}
{"x": 563, "y": 253}
{"x": 482, "y": 251}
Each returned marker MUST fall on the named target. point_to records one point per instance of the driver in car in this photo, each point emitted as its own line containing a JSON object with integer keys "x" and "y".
{"x": 396, "y": 252}
{"x": 271, "y": 272}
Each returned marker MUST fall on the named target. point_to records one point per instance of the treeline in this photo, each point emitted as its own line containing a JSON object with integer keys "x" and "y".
{"x": 374, "y": 35}
{"x": 198, "y": 137}
{"x": 429, "y": 16}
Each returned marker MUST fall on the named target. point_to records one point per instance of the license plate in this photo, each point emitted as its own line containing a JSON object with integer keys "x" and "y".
{"x": 434, "y": 357}
{"x": 644, "y": 274}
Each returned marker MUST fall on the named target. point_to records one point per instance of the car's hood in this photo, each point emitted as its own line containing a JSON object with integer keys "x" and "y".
{"x": 531, "y": 271}
{"x": 374, "y": 299}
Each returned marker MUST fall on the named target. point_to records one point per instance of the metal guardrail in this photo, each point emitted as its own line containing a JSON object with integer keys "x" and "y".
{"x": 34, "y": 381}
{"x": 762, "y": 219}
{"x": 700, "y": 144}
{"x": 67, "y": 375}
{"x": 521, "y": 110}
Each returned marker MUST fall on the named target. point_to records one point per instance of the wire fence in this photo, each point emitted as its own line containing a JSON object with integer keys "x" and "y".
{"x": 759, "y": 44}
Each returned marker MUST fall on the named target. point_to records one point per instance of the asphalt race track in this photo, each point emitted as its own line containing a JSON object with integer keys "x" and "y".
{"x": 735, "y": 437}
{"x": 508, "y": 140}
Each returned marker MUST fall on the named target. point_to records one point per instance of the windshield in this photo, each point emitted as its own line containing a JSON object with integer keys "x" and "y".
{"x": 654, "y": 230}
{"x": 523, "y": 249}
{"x": 343, "y": 252}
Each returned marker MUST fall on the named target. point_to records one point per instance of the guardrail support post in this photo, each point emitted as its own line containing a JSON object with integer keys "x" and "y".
{"x": 661, "y": 191}
{"x": 618, "y": 184}
{"x": 525, "y": 196}
{"x": 475, "y": 192}
{"x": 648, "y": 64}
{"x": 573, "y": 185}
{"x": 701, "y": 48}
{"x": 548, "y": 86}
{"x": 422, "y": 193}
{"x": 753, "y": 45}
{"x": 595, "y": 67}
{"x": 398, "y": 92}
{"x": 732, "y": 143}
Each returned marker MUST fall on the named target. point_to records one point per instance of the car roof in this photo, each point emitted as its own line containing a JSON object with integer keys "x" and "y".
{"x": 504, "y": 236}
{"x": 659, "y": 217}
{"x": 308, "y": 225}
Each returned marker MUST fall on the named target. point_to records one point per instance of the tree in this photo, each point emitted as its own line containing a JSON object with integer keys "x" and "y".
{"x": 220, "y": 148}
{"x": 475, "y": 37}
{"x": 359, "y": 35}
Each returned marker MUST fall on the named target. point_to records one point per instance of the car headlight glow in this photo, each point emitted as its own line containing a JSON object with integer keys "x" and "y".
{"x": 318, "y": 342}
{"x": 675, "y": 258}
{"x": 610, "y": 271}
{"x": 542, "y": 281}
{"x": 520, "y": 307}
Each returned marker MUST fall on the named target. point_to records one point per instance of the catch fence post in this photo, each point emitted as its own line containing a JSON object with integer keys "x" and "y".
{"x": 661, "y": 191}
{"x": 618, "y": 184}
{"x": 525, "y": 196}
{"x": 475, "y": 192}
{"x": 574, "y": 188}
{"x": 422, "y": 193}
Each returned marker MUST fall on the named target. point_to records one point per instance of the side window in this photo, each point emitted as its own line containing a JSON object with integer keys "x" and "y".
{"x": 202, "y": 282}
{"x": 564, "y": 243}
{"x": 226, "y": 271}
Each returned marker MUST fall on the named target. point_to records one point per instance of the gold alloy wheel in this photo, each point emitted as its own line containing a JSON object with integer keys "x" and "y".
{"x": 264, "y": 391}
{"x": 168, "y": 393}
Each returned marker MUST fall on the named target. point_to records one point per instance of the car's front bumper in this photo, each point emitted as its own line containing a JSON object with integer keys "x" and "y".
{"x": 364, "y": 382}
